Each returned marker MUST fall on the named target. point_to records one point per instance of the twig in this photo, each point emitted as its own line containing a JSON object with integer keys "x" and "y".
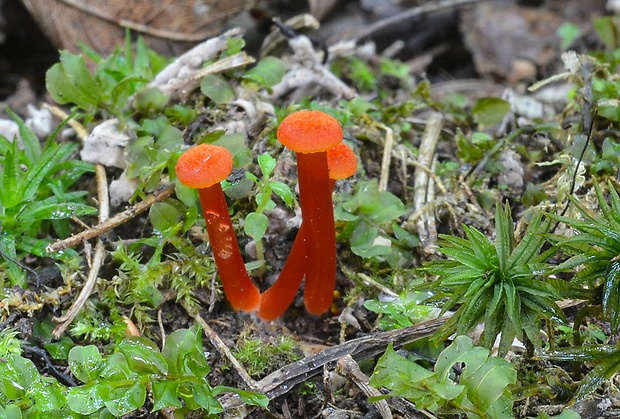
{"x": 177, "y": 77}
{"x": 109, "y": 224}
{"x": 160, "y": 322}
{"x": 401, "y": 152}
{"x": 48, "y": 367}
{"x": 396, "y": 20}
{"x": 79, "y": 129}
{"x": 431, "y": 225}
{"x": 387, "y": 157}
{"x": 307, "y": 69}
{"x": 222, "y": 348}
{"x": 283, "y": 380}
{"x": 431, "y": 172}
{"x": 347, "y": 367}
{"x": 368, "y": 280}
{"x": 423, "y": 183}
{"x": 98, "y": 258}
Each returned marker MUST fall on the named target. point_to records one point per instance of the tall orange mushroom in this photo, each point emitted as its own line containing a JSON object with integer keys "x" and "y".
{"x": 310, "y": 134}
{"x": 341, "y": 163}
{"x": 203, "y": 167}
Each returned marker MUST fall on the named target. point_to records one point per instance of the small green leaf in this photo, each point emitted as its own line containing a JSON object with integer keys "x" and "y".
{"x": 87, "y": 399}
{"x": 366, "y": 241}
{"x": 50, "y": 162}
{"x": 392, "y": 368}
{"x": 46, "y": 210}
{"x": 256, "y": 225}
{"x": 205, "y": 399}
{"x": 266, "y": 164}
{"x": 116, "y": 368}
{"x": 48, "y": 394}
{"x": 607, "y": 30}
{"x": 10, "y": 411}
{"x": 70, "y": 82}
{"x": 32, "y": 145}
{"x": 85, "y": 362}
{"x": 178, "y": 345}
{"x": 568, "y": 32}
{"x": 165, "y": 394}
{"x": 489, "y": 111}
{"x": 169, "y": 140}
{"x": 143, "y": 356}
{"x": 60, "y": 348}
{"x": 180, "y": 114}
{"x": 126, "y": 399}
{"x": 216, "y": 88}
{"x": 150, "y": 100}
{"x": 390, "y": 208}
{"x": 11, "y": 178}
{"x": 504, "y": 235}
{"x": 283, "y": 191}
{"x": 611, "y": 295}
{"x": 17, "y": 374}
{"x": 268, "y": 72}
{"x": 165, "y": 217}
{"x": 604, "y": 370}
{"x": 467, "y": 150}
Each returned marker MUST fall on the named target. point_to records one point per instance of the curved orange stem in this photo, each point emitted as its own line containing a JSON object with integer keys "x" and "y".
{"x": 238, "y": 287}
{"x": 278, "y": 298}
{"x": 275, "y": 301}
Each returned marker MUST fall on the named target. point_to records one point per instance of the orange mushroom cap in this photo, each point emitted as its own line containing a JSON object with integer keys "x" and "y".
{"x": 341, "y": 162}
{"x": 204, "y": 165}
{"x": 309, "y": 131}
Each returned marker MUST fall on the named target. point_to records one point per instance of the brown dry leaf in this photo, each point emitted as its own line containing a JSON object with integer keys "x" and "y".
{"x": 169, "y": 27}
{"x": 509, "y": 42}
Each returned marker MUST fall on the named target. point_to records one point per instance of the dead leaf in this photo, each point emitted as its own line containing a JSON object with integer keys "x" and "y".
{"x": 169, "y": 27}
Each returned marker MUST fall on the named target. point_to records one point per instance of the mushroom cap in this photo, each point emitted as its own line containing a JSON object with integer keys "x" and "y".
{"x": 309, "y": 131}
{"x": 204, "y": 165}
{"x": 341, "y": 162}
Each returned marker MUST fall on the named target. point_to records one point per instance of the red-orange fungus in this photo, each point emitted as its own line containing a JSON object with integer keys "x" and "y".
{"x": 203, "y": 167}
{"x": 314, "y": 251}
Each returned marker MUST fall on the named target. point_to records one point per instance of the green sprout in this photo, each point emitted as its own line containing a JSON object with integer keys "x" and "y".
{"x": 36, "y": 182}
{"x": 596, "y": 248}
{"x": 498, "y": 284}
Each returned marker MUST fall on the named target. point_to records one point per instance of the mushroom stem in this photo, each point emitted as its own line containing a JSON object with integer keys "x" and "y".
{"x": 310, "y": 134}
{"x": 315, "y": 195}
{"x": 275, "y": 301}
{"x": 280, "y": 295}
{"x": 238, "y": 287}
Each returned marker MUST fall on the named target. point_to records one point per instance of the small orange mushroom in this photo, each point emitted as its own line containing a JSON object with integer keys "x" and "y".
{"x": 203, "y": 167}
{"x": 341, "y": 163}
{"x": 310, "y": 134}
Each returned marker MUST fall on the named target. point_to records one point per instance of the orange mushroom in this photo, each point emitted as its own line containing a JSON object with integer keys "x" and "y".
{"x": 203, "y": 167}
{"x": 341, "y": 163}
{"x": 310, "y": 134}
